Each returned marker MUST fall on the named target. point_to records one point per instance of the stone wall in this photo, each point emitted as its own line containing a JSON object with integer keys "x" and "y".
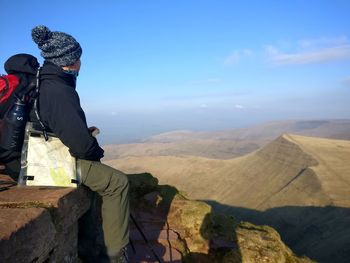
{"x": 40, "y": 224}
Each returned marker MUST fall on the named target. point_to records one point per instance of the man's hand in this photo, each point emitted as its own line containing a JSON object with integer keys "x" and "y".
{"x": 94, "y": 131}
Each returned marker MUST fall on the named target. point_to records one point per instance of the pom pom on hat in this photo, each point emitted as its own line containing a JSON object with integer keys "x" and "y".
{"x": 41, "y": 34}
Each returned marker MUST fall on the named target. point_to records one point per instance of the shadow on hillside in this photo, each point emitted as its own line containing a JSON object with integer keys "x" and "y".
{"x": 320, "y": 233}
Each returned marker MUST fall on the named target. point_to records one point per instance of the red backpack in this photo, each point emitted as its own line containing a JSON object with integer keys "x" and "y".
{"x": 18, "y": 94}
{"x": 21, "y": 70}
{"x": 10, "y": 89}
{"x": 8, "y": 84}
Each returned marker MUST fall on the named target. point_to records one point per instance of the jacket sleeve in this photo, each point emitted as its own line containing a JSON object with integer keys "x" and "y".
{"x": 61, "y": 111}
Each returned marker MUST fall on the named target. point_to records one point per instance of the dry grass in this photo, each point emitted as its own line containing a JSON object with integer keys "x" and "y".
{"x": 274, "y": 176}
{"x": 301, "y": 184}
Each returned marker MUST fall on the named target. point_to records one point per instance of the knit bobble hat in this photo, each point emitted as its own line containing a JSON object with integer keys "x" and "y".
{"x": 57, "y": 47}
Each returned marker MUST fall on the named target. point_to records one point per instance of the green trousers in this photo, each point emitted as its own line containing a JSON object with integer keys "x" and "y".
{"x": 112, "y": 185}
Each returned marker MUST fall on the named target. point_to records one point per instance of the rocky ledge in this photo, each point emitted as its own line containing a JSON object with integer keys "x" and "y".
{"x": 183, "y": 230}
{"x": 40, "y": 224}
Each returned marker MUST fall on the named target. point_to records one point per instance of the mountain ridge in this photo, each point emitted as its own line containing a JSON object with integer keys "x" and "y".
{"x": 284, "y": 154}
{"x": 228, "y": 143}
{"x": 331, "y": 162}
{"x": 297, "y": 184}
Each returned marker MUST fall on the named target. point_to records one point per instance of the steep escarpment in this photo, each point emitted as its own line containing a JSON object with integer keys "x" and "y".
{"x": 281, "y": 173}
{"x": 299, "y": 185}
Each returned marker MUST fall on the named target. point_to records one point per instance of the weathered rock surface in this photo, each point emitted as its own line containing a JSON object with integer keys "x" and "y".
{"x": 40, "y": 224}
{"x": 182, "y": 230}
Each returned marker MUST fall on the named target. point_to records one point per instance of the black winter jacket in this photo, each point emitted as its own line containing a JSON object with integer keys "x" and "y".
{"x": 60, "y": 111}
{"x": 59, "y": 106}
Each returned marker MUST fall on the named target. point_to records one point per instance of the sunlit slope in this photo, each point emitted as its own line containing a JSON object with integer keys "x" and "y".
{"x": 333, "y": 169}
{"x": 291, "y": 170}
{"x": 299, "y": 185}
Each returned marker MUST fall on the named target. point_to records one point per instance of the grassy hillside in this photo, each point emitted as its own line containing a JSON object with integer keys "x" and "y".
{"x": 272, "y": 176}
{"x": 293, "y": 171}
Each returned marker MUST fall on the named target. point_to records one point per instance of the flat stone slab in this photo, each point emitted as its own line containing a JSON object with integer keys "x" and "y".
{"x": 37, "y": 223}
{"x": 65, "y": 204}
{"x": 25, "y": 234}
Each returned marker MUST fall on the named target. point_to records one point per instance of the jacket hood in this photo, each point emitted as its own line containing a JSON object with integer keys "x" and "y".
{"x": 22, "y": 63}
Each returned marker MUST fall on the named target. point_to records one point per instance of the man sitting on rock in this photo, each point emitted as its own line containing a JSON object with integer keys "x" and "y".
{"x": 61, "y": 113}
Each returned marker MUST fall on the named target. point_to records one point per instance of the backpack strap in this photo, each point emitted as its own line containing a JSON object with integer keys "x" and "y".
{"x": 35, "y": 95}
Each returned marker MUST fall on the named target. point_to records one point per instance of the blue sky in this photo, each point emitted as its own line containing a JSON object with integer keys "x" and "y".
{"x": 154, "y": 66}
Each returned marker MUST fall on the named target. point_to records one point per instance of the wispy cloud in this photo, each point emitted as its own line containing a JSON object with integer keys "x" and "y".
{"x": 247, "y": 52}
{"x": 237, "y": 55}
{"x": 238, "y": 106}
{"x": 232, "y": 59}
{"x": 324, "y": 41}
{"x": 311, "y": 51}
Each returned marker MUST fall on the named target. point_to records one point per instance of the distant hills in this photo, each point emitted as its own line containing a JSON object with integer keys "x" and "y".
{"x": 299, "y": 185}
{"x": 227, "y": 144}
